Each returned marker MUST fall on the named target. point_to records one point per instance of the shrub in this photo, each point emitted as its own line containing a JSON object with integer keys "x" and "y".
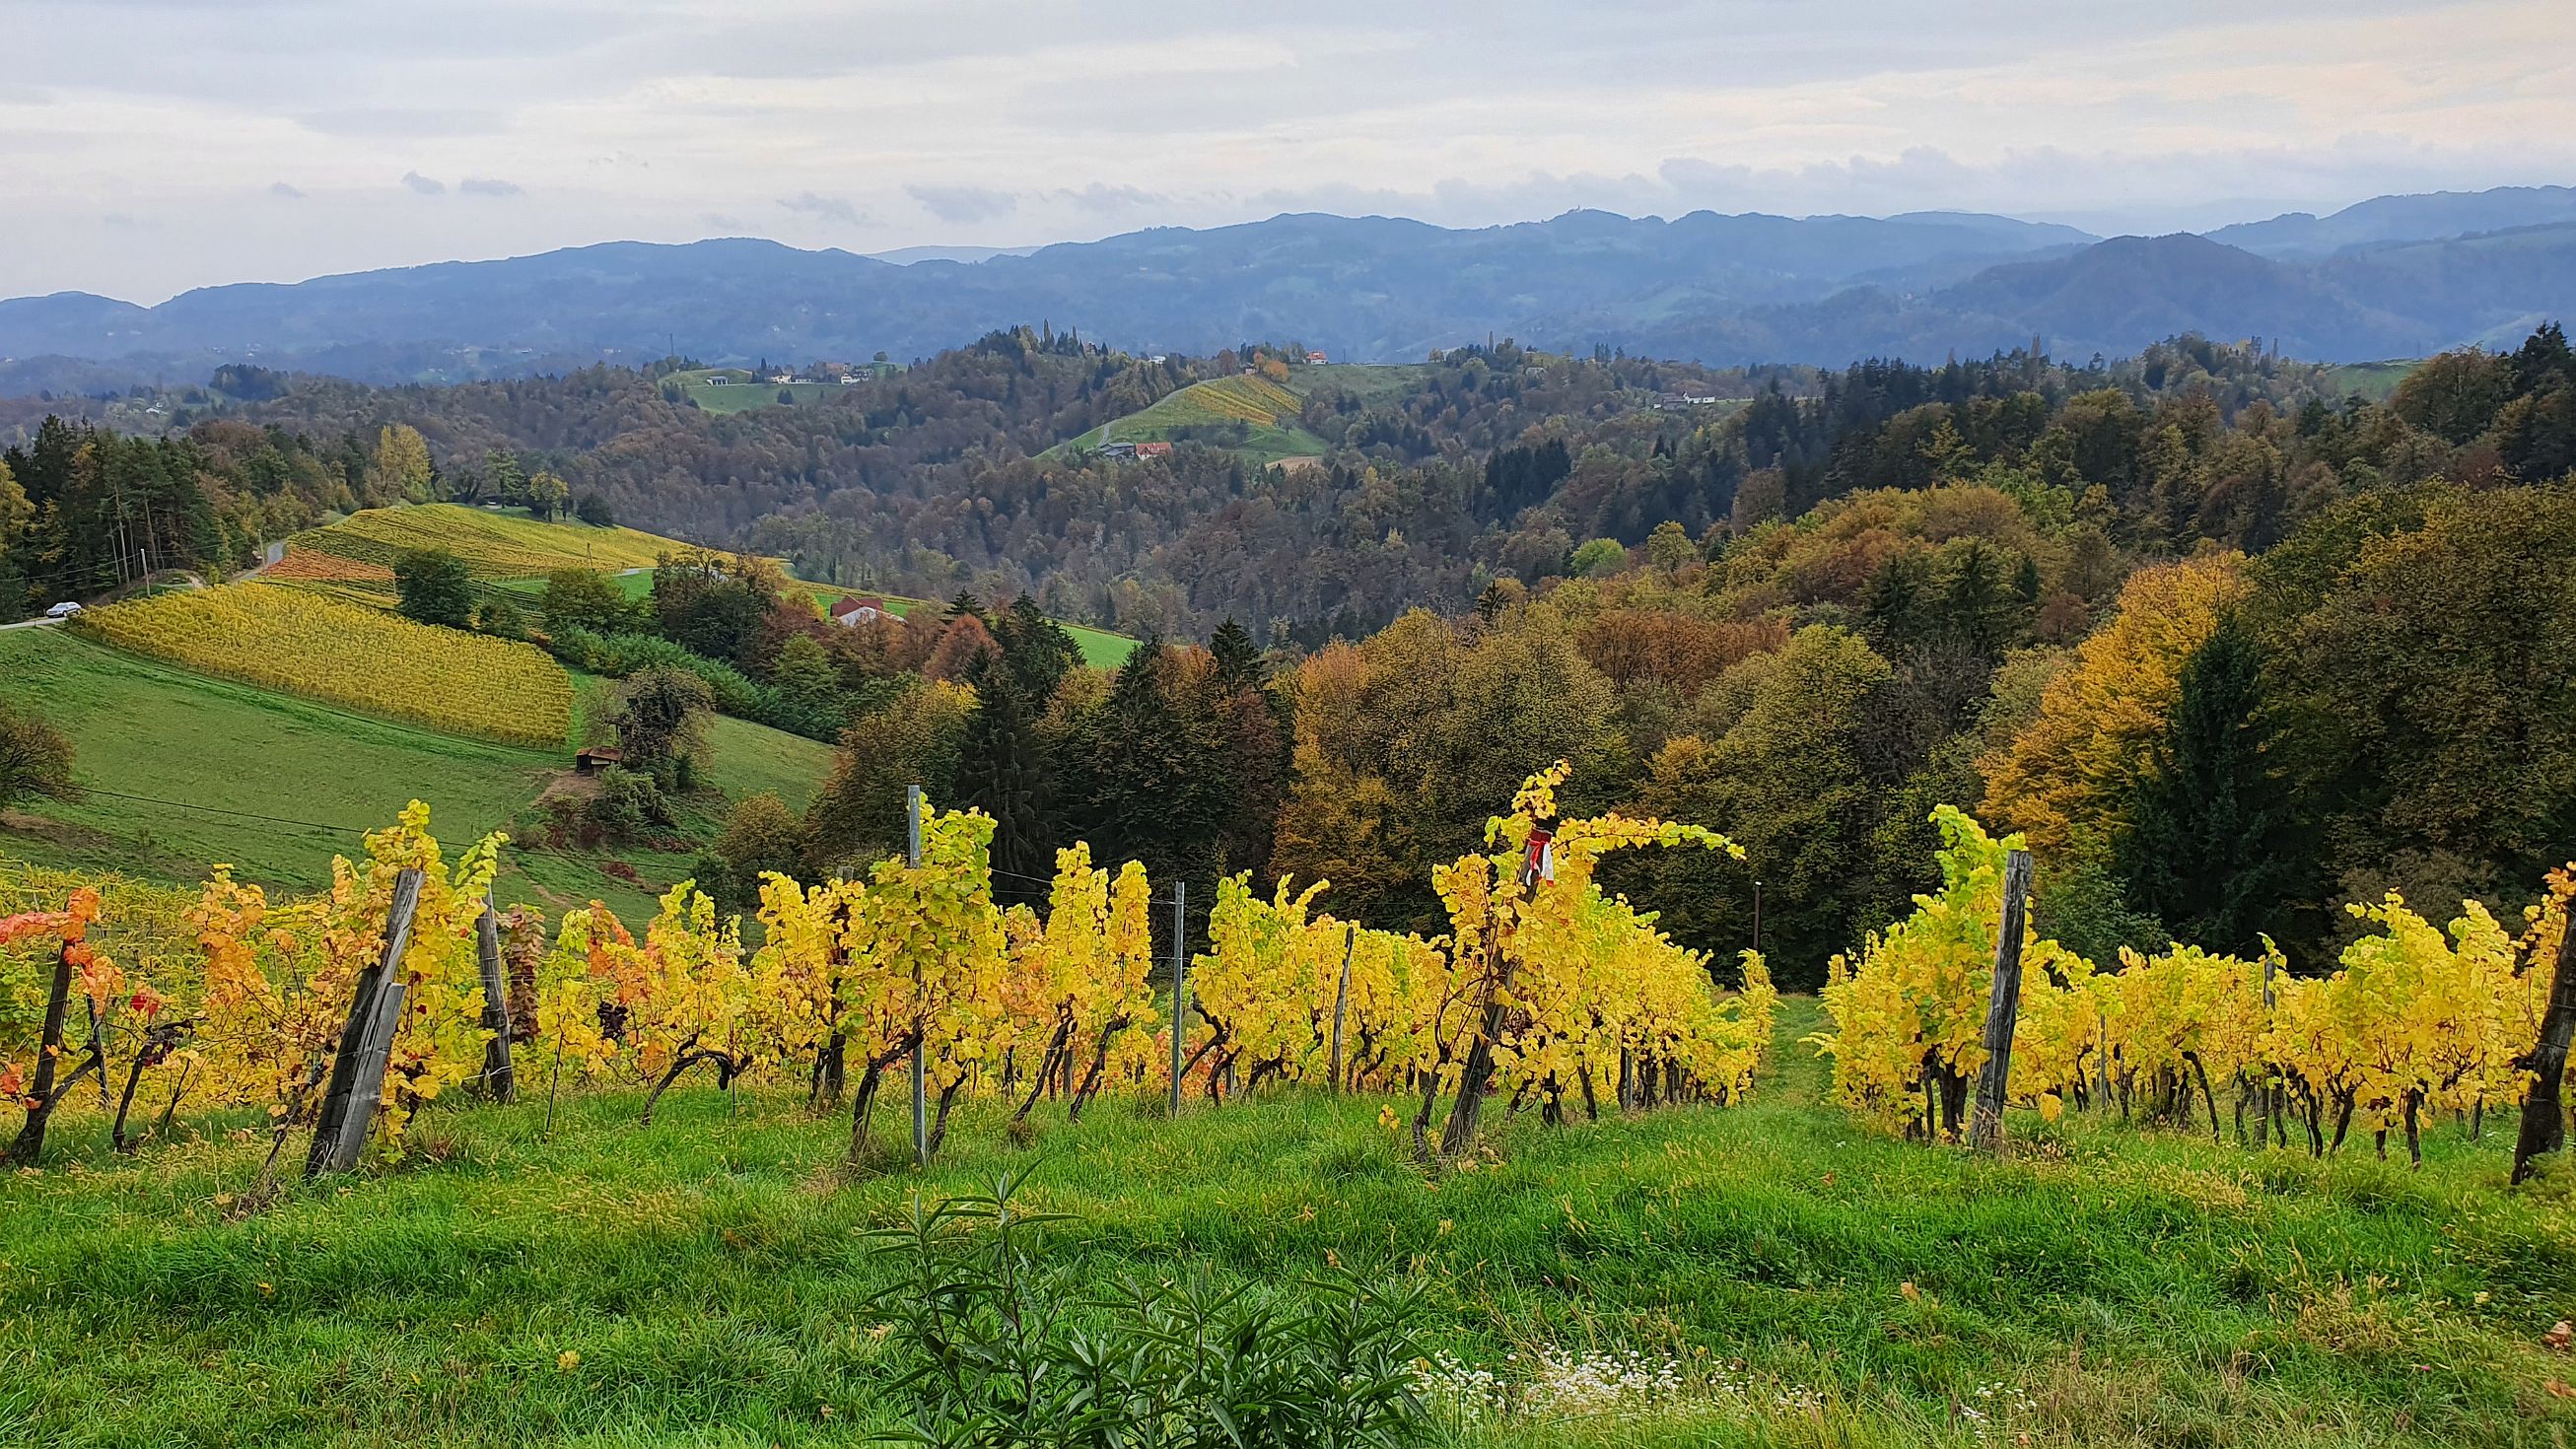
{"x": 35, "y": 758}
{"x": 501, "y": 619}
{"x": 1007, "y": 1350}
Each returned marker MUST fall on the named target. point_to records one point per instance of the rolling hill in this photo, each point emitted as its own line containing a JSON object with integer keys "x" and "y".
{"x": 1250, "y": 416}
{"x": 276, "y": 785}
{"x": 1721, "y": 289}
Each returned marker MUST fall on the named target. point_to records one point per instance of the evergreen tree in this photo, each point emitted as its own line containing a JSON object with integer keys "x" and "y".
{"x": 1038, "y": 649}
{"x": 1002, "y": 773}
{"x": 1254, "y": 756}
{"x": 1154, "y": 771}
{"x": 2203, "y": 851}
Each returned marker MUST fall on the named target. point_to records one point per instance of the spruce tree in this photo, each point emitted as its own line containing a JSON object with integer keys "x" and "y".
{"x": 1003, "y": 774}
{"x": 2204, "y": 850}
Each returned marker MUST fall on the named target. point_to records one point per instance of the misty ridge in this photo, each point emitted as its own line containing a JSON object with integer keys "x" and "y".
{"x": 2396, "y": 276}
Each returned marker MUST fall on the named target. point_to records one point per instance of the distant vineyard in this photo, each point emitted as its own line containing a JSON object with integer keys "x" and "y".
{"x": 1255, "y": 400}
{"x": 492, "y": 543}
{"x": 309, "y": 565}
{"x": 306, "y": 643}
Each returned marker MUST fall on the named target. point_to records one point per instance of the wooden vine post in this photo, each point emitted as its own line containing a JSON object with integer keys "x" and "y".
{"x": 2544, "y": 1116}
{"x": 499, "y": 1077}
{"x": 2003, "y": 1008}
{"x": 366, "y": 1044}
{"x": 1180, "y": 985}
{"x": 1341, "y": 1002}
{"x": 921, "y": 1016}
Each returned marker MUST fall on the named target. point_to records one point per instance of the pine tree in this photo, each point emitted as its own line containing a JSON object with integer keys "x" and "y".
{"x": 1002, "y": 772}
{"x": 1039, "y": 650}
{"x": 2204, "y": 850}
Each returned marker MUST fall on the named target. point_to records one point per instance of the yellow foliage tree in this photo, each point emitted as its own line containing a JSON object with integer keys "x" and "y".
{"x": 2060, "y": 781}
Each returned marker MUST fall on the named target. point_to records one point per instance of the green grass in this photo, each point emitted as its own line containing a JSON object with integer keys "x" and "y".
{"x": 2103, "y": 1286}
{"x": 2372, "y": 380}
{"x": 141, "y": 727}
{"x": 744, "y": 393}
{"x": 214, "y": 756}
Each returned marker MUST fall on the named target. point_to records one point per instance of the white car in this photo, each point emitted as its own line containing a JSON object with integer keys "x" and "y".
{"x": 63, "y": 610}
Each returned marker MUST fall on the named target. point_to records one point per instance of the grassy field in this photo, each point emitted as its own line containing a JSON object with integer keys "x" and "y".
{"x": 704, "y": 1281}
{"x": 2372, "y": 380}
{"x": 742, "y": 392}
{"x": 276, "y": 785}
{"x": 494, "y": 543}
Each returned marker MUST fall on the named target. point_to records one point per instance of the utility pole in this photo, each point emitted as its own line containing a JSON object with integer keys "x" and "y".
{"x": 920, "y": 1018}
{"x": 1180, "y": 983}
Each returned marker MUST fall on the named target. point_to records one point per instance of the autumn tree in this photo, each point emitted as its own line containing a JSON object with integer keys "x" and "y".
{"x": 2066, "y": 778}
{"x": 401, "y": 467}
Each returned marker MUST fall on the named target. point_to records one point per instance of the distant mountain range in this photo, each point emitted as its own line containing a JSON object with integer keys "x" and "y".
{"x": 2393, "y": 277}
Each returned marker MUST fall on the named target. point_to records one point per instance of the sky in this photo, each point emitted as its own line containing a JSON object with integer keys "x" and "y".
{"x": 150, "y": 146}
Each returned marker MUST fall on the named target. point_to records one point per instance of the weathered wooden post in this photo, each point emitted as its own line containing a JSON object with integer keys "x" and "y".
{"x": 1180, "y": 984}
{"x": 2003, "y": 1008}
{"x": 1341, "y": 1000}
{"x": 921, "y": 1019}
{"x": 366, "y": 1044}
{"x": 499, "y": 1077}
{"x": 2544, "y": 1119}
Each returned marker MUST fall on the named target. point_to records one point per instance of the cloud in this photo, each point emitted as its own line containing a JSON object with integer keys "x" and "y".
{"x": 718, "y": 221}
{"x": 487, "y": 186}
{"x": 1102, "y": 197}
{"x": 284, "y": 192}
{"x": 402, "y": 121}
{"x": 824, "y": 208}
{"x": 964, "y": 205}
{"x": 423, "y": 184}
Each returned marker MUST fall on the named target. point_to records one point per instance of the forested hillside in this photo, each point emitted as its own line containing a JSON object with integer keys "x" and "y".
{"x": 2236, "y": 649}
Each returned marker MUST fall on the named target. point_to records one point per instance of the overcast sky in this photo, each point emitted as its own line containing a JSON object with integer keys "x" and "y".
{"x": 148, "y": 146}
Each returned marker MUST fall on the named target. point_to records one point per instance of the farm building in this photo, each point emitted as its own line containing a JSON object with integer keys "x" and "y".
{"x": 1154, "y": 450}
{"x": 856, "y": 611}
{"x": 1317, "y": 359}
{"x": 595, "y": 758}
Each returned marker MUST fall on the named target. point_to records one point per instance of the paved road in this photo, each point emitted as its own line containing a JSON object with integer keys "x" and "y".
{"x": 30, "y": 624}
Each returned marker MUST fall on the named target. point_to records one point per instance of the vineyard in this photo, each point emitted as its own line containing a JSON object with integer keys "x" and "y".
{"x": 2415, "y": 1021}
{"x": 1868, "y": 1291}
{"x": 492, "y": 543}
{"x": 306, "y": 643}
{"x": 1558, "y": 993}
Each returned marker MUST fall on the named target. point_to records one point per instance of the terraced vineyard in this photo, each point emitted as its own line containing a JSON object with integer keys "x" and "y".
{"x": 492, "y": 543}
{"x": 1266, "y": 411}
{"x": 306, "y": 643}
